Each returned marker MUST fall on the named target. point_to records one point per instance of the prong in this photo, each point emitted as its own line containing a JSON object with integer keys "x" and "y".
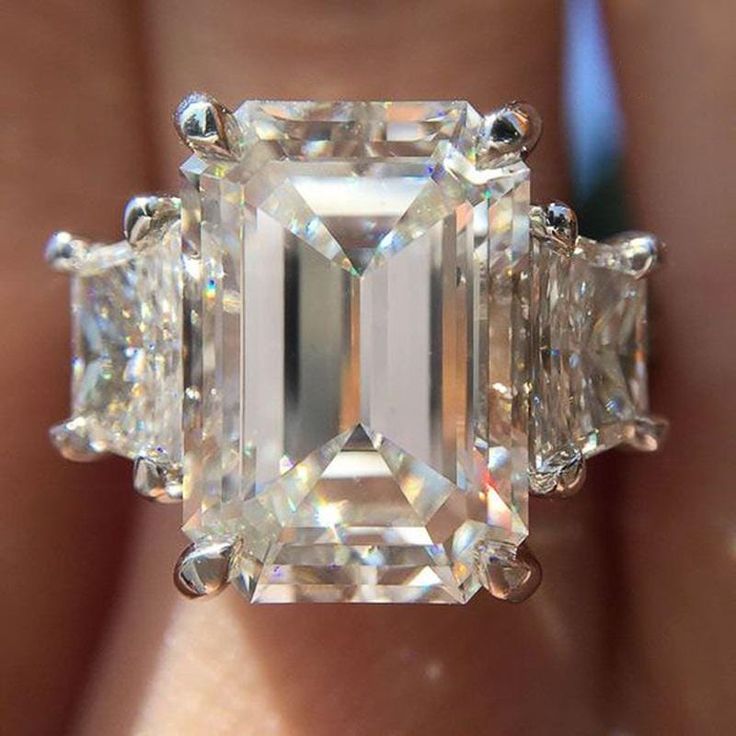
{"x": 204, "y": 568}
{"x": 156, "y": 478}
{"x": 208, "y": 128}
{"x": 509, "y": 132}
{"x": 636, "y": 253}
{"x": 509, "y": 573}
{"x": 146, "y": 217}
{"x": 557, "y": 224}
{"x": 563, "y": 475}
{"x": 66, "y": 252}
{"x": 648, "y": 433}
{"x": 72, "y": 439}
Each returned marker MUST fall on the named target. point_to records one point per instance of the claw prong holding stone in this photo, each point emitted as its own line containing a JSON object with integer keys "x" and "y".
{"x": 203, "y": 569}
{"x": 635, "y": 253}
{"x": 509, "y": 574}
{"x": 563, "y": 475}
{"x": 648, "y": 433}
{"x": 66, "y": 252}
{"x": 157, "y": 479}
{"x": 557, "y": 224}
{"x": 507, "y": 132}
{"x": 145, "y": 218}
{"x": 71, "y": 438}
{"x": 208, "y": 128}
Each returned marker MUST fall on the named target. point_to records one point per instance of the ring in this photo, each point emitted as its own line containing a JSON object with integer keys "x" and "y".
{"x": 351, "y": 348}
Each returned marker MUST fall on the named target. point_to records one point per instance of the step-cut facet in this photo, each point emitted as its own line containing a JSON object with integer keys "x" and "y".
{"x": 356, "y": 321}
{"x": 589, "y": 351}
{"x": 126, "y": 347}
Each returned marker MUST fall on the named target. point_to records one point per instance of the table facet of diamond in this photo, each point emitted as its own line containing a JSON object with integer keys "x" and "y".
{"x": 355, "y": 332}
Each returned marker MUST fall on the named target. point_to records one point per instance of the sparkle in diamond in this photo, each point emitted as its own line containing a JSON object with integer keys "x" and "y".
{"x": 591, "y": 344}
{"x": 354, "y": 285}
{"x": 126, "y": 379}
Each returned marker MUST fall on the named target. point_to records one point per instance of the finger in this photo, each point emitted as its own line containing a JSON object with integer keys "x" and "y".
{"x": 69, "y": 91}
{"x": 323, "y": 670}
{"x": 679, "y": 510}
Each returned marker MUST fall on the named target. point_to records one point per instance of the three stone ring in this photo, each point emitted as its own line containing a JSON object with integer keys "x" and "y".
{"x": 351, "y": 348}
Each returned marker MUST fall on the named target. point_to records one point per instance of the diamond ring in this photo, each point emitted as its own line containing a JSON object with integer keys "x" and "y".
{"x": 352, "y": 348}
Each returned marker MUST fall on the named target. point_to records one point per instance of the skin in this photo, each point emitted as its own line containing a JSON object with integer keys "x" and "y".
{"x": 632, "y": 627}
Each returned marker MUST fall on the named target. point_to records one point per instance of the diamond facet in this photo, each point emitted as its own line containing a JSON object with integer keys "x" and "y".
{"x": 126, "y": 376}
{"x": 356, "y": 306}
{"x": 589, "y": 347}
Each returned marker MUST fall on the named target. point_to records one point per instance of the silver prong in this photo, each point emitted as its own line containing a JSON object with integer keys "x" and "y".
{"x": 157, "y": 479}
{"x": 563, "y": 475}
{"x": 71, "y": 438}
{"x": 636, "y": 253}
{"x": 204, "y": 568}
{"x": 66, "y": 252}
{"x": 208, "y": 128}
{"x": 557, "y": 224}
{"x": 509, "y": 573}
{"x": 509, "y": 132}
{"x": 146, "y": 217}
{"x": 648, "y": 433}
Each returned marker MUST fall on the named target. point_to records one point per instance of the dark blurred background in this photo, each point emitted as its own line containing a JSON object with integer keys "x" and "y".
{"x": 632, "y": 631}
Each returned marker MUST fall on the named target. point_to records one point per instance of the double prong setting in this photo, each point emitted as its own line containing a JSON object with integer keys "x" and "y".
{"x": 556, "y": 224}
{"x": 563, "y": 474}
{"x": 647, "y": 433}
{"x": 156, "y": 478}
{"x": 508, "y": 133}
{"x": 146, "y": 217}
{"x": 205, "y": 568}
{"x": 208, "y": 128}
{"x": 65, "y": 252}
{"x": 508, "y": 573}
{"x": 636, "y": 254}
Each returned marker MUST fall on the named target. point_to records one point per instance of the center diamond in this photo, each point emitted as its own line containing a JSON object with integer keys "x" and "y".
{"x": 355, "y": 367}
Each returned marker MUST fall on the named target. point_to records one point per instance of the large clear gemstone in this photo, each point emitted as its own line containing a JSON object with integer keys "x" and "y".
{"x": 356, "y": 316}
{"x": 590, "y": 350}
{"x": 126, "y": 374}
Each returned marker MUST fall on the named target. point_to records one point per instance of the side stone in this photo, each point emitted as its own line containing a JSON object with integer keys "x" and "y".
{"x": 126, "y": 344}
{"x": 590, "y": 347}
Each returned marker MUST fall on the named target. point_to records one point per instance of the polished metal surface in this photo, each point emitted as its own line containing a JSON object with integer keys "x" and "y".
{"x": 146, "y": 216}
{"x": 564, "y": 475}
{"x": 648, "y": 433}
{"x": 157, "y": 479}
{"x": 204, "y": 569}
{"x": 509, "y": 574}
{"x": 557, "y": 224}
{"x": 639, "y": 253}
{"x": 65, "y": 252}
{"x": 207, "y": 127}
{"x": 509, "y": 131}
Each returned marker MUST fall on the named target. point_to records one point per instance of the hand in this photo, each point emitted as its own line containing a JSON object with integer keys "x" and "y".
{"x": 631, "y": 629}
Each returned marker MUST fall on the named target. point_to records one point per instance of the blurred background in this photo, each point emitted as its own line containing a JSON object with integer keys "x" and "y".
{"x": 633, "y": 629}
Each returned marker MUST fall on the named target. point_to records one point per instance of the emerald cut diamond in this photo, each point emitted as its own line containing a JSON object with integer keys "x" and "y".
{"x": 356, "y": 317}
